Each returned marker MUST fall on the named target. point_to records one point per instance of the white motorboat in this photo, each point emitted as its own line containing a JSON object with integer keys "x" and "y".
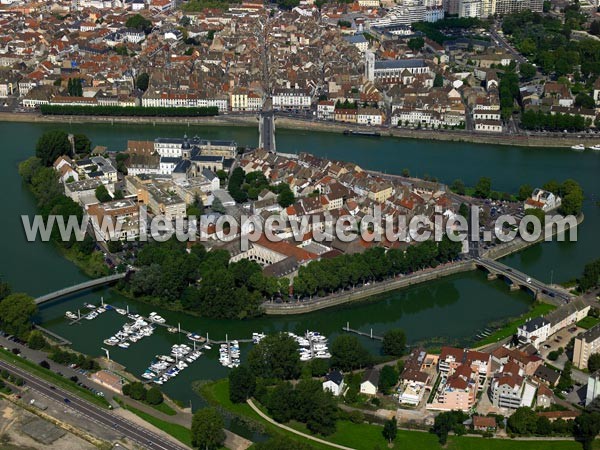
{"x": 121, "y": 311}
{"x": 92, "y": 315}
{"x": 124, "y": 344}
{"x": 71, "y": 315}
{"x": 595, "y": 147}
{"x": 111, "y": 341}
{"x": 578, "y": 147}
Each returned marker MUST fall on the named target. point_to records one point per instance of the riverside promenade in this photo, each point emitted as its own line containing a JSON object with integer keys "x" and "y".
{"x": 403, "y": 281}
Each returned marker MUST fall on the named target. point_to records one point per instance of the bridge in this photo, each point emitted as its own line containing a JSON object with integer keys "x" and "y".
{"x": 266, "y": 127}
{"x": 80, "y": 287}
{"x": 520, "y": 280}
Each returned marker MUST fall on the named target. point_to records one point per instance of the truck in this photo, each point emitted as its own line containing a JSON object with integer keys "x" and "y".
{"x": 38, "y": 404}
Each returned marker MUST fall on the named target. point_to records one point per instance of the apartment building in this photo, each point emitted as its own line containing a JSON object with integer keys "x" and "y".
{"x": 116, "y": 220}
{"x": 586, "y": 345}
{"x": 291, "y": 99}
{"x": 158, "y": 193}
{"x": 458, "y": 392}
{"x": 510, "y": 389}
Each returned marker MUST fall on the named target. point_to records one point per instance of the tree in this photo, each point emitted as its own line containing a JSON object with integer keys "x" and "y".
{"x": 438, "y": 81}
{"x": 154, "y": 396}
{"x": 242, "y": 384}
{"x": 587, "y": 427}
{"x": 388, "y": 377}
{"x": 347, "y": 353}
{"x": 217, "y": 206}
{"x": 446, "y": 422}
{"x": 5, "y": 289}
{"x": 207, "y": 429}
{"x": 45, "y": 364}
{"x": 102, "y": 194}
{"x": 140, "y": 23}
{"x": 142, "y": 80}
{"x": 458, "y": 186}
{"x": 416, "y": 44}
{"x": 276, "y": 356}
{"x": 525, "y": 191}
{"x": 584, "y": 101}
{"x": 36, "y": 340}
{"x": 394, "y": 342}
{"x": 527, "y": 71}
{"x": 595, "y": 28}
{"x": 136, "y": 391}
{"x": 483, "y": 188}
{"x": 51, "y": 145}
{"x": 594, "y": 362}
{"x": 82, "y": 143}
{"x": 286, "y": 196}
{"x": 281, "y": 443}
{"x": 390, "y": 430}
{"x": 16, "y": 312}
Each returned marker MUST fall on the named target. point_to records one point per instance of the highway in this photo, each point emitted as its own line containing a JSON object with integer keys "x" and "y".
{"x": 141, "y": 436}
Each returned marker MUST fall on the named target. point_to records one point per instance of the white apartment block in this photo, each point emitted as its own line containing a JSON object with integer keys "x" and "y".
{"x": 291, "y": 98}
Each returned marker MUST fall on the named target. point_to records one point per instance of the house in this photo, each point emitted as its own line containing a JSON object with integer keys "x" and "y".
{"x": 334, "y": 383}
{"x": 544, "y": 200}
{"x": 564, "y": 415}
{"x": 483, "y": 423}
{"x": 545, "y": 374}
{"x": 544, "y": 396}
{"x": 535, "y": 331}
{"x": 370, "y": 382}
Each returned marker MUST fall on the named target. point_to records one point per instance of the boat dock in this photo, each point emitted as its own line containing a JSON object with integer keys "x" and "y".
{"x": 370, "y": 335}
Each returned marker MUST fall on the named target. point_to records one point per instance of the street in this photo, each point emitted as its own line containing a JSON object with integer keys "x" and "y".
{"x": 140, "y": 436}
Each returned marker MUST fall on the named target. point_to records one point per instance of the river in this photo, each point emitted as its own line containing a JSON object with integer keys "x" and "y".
{"x": 450, "y": 310}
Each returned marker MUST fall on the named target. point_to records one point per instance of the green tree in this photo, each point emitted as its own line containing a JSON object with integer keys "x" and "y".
{"x": 207, "y": 429}
{"x": 587, "y": 427}
{"x": 458, "y": 186}
{"x": 36, "y": 340}
{"x": 276, "y": 356}
{"x": 394, "y": 342}
{"x": 102, "y": 194}
{"x": 527, "y": 71}
{"x": 438, "y": 81}
{"x": 388, "y": 378}
{"x": 584, "y": 101}
{"x": 281, "y": 443}
{"x": 483, "y": 188}
{"x": 416, "y": 44}
{"x": 242, "y": 384}
{"x": 525, "y": 191}
{"x": 51, "y": 145}
{"x": 594, "y": 362}
{"x": 286, "y": 196}
{"x": 347, "y": 353}
{"x": 82, "y": 143}
{"x": 140, "y": 23}
{"x": 16, "y": 312}
{"x": 446, "y": 422}
{"x": 142, "y": 81}
{"x": 136, "y": 391}
{"x": 154, "y": 396}
{"x": 390, "y": 430}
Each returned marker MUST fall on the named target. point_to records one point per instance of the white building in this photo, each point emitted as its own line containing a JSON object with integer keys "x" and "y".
{"x": 334, "y": 383}
{"x": 291, "y": 98}
{"x": 370, "y": 382}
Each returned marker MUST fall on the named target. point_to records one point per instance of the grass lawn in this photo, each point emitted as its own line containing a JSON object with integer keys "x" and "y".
{"x": 179, "y": 432}
{"x": 56, "y": 379}
{"x": 366, "y": 437}
{"x": 511, "y": 328}
{"x": 165, "y": 409}
{"x": 588, "y": 322}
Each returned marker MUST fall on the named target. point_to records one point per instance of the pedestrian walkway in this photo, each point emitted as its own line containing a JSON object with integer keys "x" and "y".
{"x": 299, "y": 433}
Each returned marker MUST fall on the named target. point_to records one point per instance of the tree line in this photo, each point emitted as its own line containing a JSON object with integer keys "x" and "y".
{"x": 376, "y": 264}
{"x": 134, "y": 111}
{"x": 539, "y": 120}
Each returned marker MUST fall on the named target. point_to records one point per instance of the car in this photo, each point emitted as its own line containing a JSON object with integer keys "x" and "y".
{"x": 528, "y": 280}
{"x": 67, "y": 400}
{"x": 53, "y": 388}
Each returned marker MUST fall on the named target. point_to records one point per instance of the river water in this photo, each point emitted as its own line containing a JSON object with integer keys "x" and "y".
{"x": 450, "y": 310}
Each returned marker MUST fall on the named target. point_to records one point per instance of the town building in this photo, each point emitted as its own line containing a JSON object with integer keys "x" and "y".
{"x": 334, "y": 383}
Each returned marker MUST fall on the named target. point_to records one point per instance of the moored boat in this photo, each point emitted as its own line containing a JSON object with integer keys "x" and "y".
{"x": 578, "y": 147}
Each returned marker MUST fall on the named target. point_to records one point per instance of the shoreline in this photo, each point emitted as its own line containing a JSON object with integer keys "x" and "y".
{"x": 288, "y": 123}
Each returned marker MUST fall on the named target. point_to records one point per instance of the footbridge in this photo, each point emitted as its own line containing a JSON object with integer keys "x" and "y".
{"x": 520, "y": 280}
{"x": 80, "y": 287}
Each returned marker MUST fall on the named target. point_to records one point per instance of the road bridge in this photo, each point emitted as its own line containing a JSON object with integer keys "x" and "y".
{"x": 80, "y": 287}
{"x": 266, "y": 127}
{"x": 520, "y": 280}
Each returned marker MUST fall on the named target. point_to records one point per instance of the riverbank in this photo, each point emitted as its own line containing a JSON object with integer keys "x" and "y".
{"x": 371, "y": 290}
{"x": 238, "y": 120}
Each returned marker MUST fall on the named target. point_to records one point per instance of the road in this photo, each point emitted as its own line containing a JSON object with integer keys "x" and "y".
{"x": 502, "y": 42}
{"x": 143, "y": 437}
{"x": 559, "y": 297}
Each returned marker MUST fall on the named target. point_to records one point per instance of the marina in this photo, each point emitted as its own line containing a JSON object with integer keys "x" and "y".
{"x": 165, "y": 367}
